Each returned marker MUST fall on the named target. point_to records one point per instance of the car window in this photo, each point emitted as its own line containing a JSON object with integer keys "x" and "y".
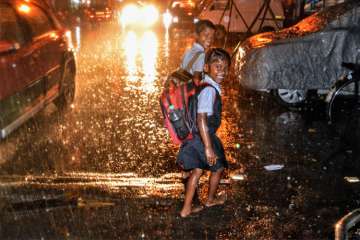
{"x": 10, "y": 29}
{"x": 38, "y": 21}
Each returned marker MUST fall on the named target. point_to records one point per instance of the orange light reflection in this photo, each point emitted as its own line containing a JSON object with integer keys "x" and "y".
{"x": 149, "y": 47}
{"x": 77, "y": 38}
{"x": 260, "y": 40}
{"x": 167, "y": 42}
{"x": 145, "y": 47}
{"x": 130, "y": 48}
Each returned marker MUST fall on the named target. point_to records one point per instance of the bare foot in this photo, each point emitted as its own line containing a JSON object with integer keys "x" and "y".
{"x": 217, "y": 201}
{"x": 185, "y": 212}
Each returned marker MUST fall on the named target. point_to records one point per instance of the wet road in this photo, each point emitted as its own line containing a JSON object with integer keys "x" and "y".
{"x": 106, "y": 170}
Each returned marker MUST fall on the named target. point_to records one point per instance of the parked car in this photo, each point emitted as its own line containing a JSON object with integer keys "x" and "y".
{"x": 307, "y": 56}
{"x": 37, "y": 65}
{"x": 245, "y": 15}
{"x": 312, "y": 6}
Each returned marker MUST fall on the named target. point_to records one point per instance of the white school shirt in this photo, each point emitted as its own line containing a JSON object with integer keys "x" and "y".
{"x": 207, "y": 96}
{"x": 198, "y": 65}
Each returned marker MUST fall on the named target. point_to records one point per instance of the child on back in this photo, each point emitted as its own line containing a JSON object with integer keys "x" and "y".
{"x": 194, "y": 59}
{"x": 205, "y": 150}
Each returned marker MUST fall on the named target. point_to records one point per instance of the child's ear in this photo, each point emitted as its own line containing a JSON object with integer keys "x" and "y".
{"x": 206, "y": 68}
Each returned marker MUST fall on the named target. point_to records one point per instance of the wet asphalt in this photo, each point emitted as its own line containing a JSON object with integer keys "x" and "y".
{"x": 106, "y": 169}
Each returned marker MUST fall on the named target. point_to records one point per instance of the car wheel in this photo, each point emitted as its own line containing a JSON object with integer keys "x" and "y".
{"x": 67, "y": 92}
{"x": 290, "y": 98}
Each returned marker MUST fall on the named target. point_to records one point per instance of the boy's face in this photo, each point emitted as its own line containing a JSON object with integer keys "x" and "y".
{"x": 206, "y": 37}
{"x": 218, "y": 70}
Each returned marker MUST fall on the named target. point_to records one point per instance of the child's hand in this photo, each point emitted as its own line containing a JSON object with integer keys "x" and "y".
{"x": 210, "y": 156}
{"x": 205, "y": 137}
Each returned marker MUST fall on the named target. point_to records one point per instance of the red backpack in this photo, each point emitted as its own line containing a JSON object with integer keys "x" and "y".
{"x": 178, "y": 104}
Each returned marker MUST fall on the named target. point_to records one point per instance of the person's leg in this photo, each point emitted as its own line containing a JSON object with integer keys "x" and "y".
{"x": 185, "y": 178}
{"x": 190, "y": 191}
{"x": 213, "y": 186}
{"x": 185, "y": 174}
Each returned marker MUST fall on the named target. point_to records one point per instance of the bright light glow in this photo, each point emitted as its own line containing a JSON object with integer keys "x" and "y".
{"x": 77, "y": 38}
{"x": 167, "y": 48}
{"x": 175, "y": 19}
{"x": 68, "y": 40}
{"x": 240, "y": 57}
{"x": 149, "y": 56}
{"x": 69, "y": 180}
{"x": 167, "y": 19}
{"x": 24, "y": 8}
{"x": 260, "y": 40}
{"x": 183, "y": 4}
{"x": 54, "y": 36}
{"x": 132, "y": 15}
{"x": 150, "y": 15}
{"x": 130, "y": 48}
{"x": 352, "y": 179}
{"x": 191, "y": 3}
{"x": 144, "y": 48}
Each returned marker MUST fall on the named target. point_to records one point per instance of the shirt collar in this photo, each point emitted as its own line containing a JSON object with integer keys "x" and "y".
{"x": 210, "y": 81}
{"x": 198, "y": 46}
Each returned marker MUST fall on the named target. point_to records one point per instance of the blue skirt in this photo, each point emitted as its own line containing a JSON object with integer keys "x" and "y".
{"x": 192, "y": 154}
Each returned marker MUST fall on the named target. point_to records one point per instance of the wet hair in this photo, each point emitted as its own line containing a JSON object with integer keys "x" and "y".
{"x": 216, "y": 54}
{"x": 201, "y": 25}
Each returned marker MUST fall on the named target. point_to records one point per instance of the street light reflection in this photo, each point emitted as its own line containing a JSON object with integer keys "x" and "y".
{"x": 146, "y": 48}
{"x": 167, "y": 42}
{"x": 165, "y": 185}
{"x": 77, "y": 38}
{"x": 130, "y": 49}
{"x": 149, "y": 47}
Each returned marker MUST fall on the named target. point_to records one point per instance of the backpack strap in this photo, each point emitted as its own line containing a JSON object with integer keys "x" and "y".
{"x": 193, "y": 60}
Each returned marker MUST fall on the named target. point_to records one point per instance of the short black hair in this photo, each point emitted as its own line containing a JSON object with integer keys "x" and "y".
{"x": 202, "y": 24}
{"x": 216, "y": 54}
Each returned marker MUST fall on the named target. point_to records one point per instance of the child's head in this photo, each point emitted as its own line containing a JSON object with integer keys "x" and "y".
{"x": 217, "y": 64}
{"x": 205, "y": 31}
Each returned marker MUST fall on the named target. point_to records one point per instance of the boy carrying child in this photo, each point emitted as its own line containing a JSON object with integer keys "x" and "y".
{"x": 205, "y": 150}
{"x": 193, "y": 61}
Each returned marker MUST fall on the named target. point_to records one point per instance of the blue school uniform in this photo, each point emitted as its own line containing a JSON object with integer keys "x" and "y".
{"x": 192, "y": 152}
{"x": 198, "y": 65}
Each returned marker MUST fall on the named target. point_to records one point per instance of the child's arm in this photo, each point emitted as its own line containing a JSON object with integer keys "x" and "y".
{"x": 205, "y": 136}
{"x": 197, "y": 77}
